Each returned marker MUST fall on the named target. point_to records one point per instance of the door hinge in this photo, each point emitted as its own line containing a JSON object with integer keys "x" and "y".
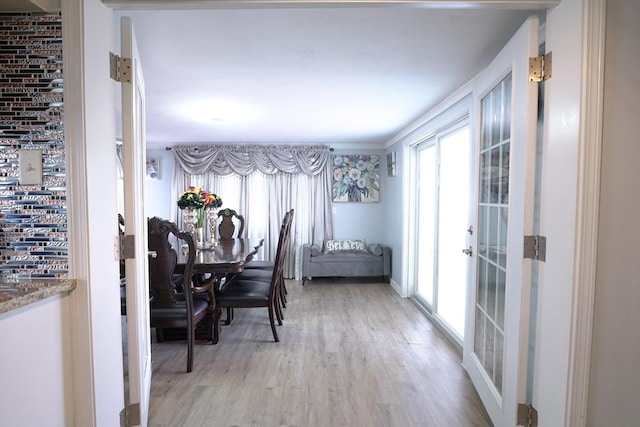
{"x": 535, "y": 247}
{"x": 119, "y": 68}
{"x": 130, "y": 415}
{"x": 127, "y": 247}
{"x": 540, "y": 68}
{"x": 527, "y": 415}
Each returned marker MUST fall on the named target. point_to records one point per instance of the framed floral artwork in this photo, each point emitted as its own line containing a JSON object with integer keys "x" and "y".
{"x": 356, "y": 178}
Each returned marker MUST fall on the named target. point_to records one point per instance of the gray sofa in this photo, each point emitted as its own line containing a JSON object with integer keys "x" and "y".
{"x": 369, "y": 260}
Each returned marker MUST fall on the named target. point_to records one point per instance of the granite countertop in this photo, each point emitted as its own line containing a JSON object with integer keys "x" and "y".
{"x": 18, "y": 293}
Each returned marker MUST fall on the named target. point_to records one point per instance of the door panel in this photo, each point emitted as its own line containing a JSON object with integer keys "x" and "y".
{"x": 443, "y": 220}
{"x": 138, "y": 330}
{"x": 506, "y": 108}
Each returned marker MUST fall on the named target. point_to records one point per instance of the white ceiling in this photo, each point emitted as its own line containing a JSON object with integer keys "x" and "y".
{"x": 338, "y": 76}
{"x": 344, "y": 76}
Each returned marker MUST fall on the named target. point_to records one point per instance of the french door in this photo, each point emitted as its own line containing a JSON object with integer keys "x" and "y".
{"x": 505, "y": 103}
{"x": 137, "y": 277}
{"x": 444, "y": 165}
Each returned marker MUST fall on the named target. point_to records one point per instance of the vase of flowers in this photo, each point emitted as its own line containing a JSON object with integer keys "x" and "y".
{"x": 194, "y": 203}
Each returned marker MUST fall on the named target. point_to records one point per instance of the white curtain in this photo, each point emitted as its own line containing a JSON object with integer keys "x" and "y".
{"x": 262, "y": 183}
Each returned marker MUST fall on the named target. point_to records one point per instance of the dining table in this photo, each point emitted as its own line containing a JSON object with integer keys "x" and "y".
{"x": 215, "y": 261}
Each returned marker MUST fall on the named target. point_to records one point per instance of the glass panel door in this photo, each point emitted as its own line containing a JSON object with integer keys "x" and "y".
{"x": 426, "y": 222}
{"x": 506, "y": 102}
{"x": 493, "y": 212}
{"x": 453, "y": 223}
{"x": 444, "y": 166}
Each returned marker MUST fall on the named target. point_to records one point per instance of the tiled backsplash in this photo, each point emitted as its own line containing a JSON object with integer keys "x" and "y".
{"x": 33, "y": 218}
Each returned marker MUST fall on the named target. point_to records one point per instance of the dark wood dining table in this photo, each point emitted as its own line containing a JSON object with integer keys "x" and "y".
{"x": 223, "y": 257}
{"x": 216, "y": 260}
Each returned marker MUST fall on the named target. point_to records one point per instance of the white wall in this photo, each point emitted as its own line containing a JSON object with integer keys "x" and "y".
{"x": 158, "y": 191}
{"x": 34, "y": 365}
{"x": 364, "y": 221}
{"x": 393, "y": 212}
{"x": 614, "y": 383}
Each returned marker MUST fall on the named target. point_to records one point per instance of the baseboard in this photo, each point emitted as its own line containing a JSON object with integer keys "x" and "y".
{"x": 397, "y": 287}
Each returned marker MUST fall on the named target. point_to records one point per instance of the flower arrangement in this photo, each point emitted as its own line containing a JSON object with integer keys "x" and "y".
{"x": 197, "y": 199}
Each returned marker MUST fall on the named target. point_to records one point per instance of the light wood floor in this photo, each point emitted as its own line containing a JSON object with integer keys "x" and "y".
{"x": 350, "y": 354}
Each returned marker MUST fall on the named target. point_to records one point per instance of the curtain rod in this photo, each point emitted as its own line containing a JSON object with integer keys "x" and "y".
{"x": 171, "y": 148}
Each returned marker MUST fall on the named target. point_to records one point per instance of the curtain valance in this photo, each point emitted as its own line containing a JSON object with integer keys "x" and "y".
{"x": 246, "y": 159}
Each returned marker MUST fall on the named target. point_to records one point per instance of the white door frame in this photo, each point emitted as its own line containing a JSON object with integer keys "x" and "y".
{"x": 590, "y": 142}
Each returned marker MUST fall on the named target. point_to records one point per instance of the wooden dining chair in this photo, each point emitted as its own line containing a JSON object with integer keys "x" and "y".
{"x": 264, "y": 274}
{"x": 123, "y": 281}
{"x": 172, "y": 307}
{"x": 227, "y": 226}
{"x": 263, "y": 264}
{"x": 243, "y": 293}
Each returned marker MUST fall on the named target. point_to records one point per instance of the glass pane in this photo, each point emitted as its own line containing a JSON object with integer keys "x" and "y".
{"x": 498, "y": 366}
{"x": 483, "y": 242}
{"x": 493, "y": 233}
{"x": 485, "y": 176}
{"x": 496, "y": 173}
{"x": 482, "y": 283}
{"x": 504, "y": 174}
{"x": 478, "y": 343}
{"x": 491, "y": 292}
{"x": 496, "y": 114}
{"x": 486, "y": 124}
{"x": 502, "y": 236}
{"x": 426, "y": 223}
{"x": 453, "y": 204}
{"x": 500, "y": 289}
{"x": 489, "y": 355}
{"x": 506, "y": 109}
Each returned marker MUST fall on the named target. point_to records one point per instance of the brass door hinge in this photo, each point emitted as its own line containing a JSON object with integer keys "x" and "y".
{"x": 127, "y": 247}
{"x": 535, "y": 247}
{"x": 540, "y": 68}
{"x": 130, "y": 415}
{"x": 527, "y": 415}
{"x": 119, "y": 68}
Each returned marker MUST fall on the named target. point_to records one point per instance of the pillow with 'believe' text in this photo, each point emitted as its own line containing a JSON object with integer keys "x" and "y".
{"x": 344, "y": 246}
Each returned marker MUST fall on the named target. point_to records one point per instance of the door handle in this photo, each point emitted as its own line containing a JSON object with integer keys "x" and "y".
{"x": 468, "y": 251}
{"x": 152, "y": 254}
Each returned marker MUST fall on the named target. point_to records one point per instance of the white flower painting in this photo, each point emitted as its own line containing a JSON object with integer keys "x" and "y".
{"x": 356, "y": 178}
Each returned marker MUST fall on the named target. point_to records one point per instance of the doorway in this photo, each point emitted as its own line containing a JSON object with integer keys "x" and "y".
{"x": 444, "y": 194}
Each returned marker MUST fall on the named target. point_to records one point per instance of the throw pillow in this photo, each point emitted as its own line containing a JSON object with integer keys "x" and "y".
{"x": 344, "y": 246}
{"x": 375, "y": 249}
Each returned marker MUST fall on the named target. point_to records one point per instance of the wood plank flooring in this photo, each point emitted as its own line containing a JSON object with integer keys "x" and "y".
{"x": 350, "y": 354}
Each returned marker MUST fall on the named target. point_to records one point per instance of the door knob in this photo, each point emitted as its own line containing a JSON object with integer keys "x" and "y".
{"x": 470, "y": 230}
{"x": 468, "y": 251}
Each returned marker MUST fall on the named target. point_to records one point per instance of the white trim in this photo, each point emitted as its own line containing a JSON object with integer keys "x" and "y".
{"x": 243, "y": 4}
{"x": 84, "y": 410}
{"x": 455, "y": 105}
{"x": 586, "y": 243}
{"x": 397, "y": 288}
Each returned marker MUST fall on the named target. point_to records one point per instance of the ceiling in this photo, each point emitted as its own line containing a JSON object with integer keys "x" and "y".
{"x": 343, "y": 76}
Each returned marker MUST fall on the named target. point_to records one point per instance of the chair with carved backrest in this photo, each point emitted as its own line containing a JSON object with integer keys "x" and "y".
{"x": 241, "y": 293}
{"x": 262, "y": 271}
{"x": 171, "y": 308}
{"x": 123, "y": 282}
{"x": 227, "y": 226}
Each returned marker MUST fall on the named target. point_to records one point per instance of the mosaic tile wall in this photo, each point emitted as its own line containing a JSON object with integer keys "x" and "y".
{"x": 33, "y": 218}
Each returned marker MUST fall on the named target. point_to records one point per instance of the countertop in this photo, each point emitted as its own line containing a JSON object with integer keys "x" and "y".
{"x": 18, "y": 293}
